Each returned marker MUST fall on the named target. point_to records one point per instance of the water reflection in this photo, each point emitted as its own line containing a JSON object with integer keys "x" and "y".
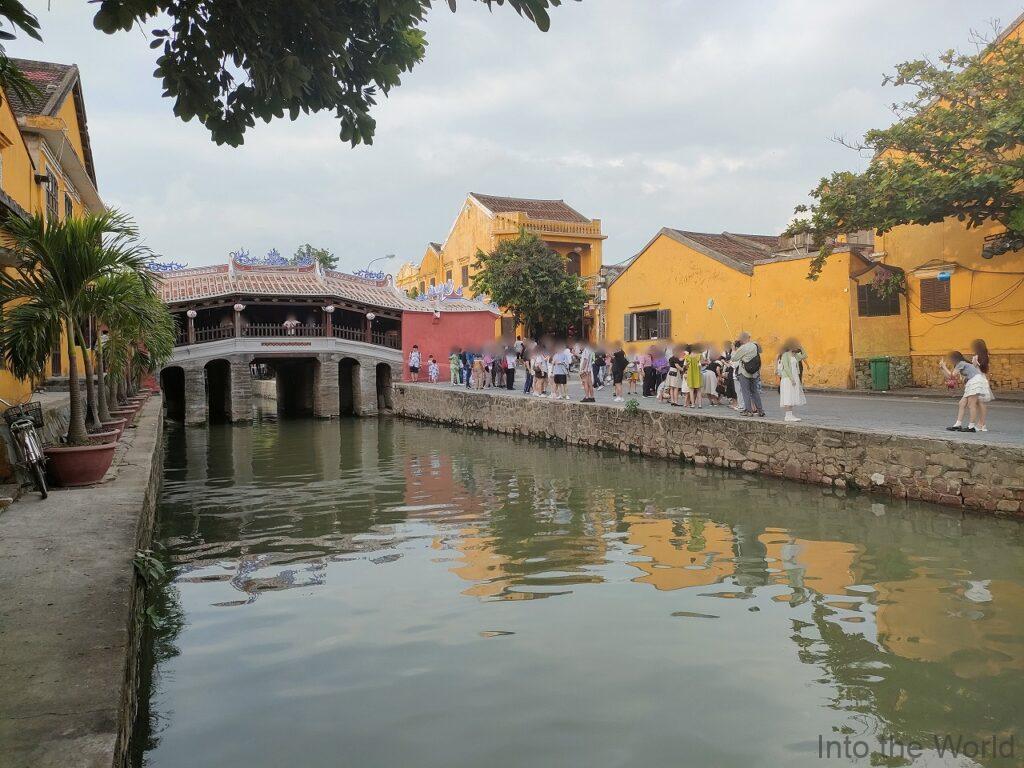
{"x": 316, "y": 565}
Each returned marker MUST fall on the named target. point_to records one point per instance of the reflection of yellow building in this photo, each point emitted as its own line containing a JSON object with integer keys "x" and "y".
{"x": 922, "y": 618}
{"x": 690, "y": 553}
{"x": 826, "y": 567}
{"x": 46, "y": 167}
{"x": 485, "y": 221}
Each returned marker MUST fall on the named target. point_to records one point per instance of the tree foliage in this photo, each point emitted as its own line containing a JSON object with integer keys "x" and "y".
{"x": 228, "y": 63}
{"x": 955, "y": 151}
{"x": 16, "y": 16}
{"x": 530, "y": 280}
{"x": 308, "y": 253}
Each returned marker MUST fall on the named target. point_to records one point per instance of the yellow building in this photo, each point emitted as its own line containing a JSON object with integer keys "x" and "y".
{"x": 485, "y": 221}
{"x": 702, "y": 287}
{"x": 46, "y": 166}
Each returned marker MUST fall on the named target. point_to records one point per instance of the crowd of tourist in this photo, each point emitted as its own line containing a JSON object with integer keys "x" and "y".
{"x": 681, "y": 375}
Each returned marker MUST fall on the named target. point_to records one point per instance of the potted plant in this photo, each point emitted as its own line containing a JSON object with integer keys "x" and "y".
{"x": 47, "y": 296}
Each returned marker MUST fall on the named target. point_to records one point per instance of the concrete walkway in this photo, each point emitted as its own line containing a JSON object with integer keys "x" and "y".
{"x": 67, "y": 601}
{"x": 913, "y": 416}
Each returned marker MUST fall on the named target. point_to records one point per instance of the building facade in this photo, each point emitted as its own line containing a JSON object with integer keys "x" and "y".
{"x": 703, "y": 287}
{"x": 486, "y": 220}
{"x": 46, "y": 167}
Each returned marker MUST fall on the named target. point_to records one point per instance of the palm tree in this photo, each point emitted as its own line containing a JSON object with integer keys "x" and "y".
{"x": 57, "y": 262}
{"x": 140, "y": 330}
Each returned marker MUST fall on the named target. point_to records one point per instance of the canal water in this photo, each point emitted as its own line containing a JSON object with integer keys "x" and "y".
{"x": 386, "y": 593}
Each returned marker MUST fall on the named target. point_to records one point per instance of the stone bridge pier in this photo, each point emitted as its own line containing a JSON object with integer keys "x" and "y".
{"x": 324, "y": 385}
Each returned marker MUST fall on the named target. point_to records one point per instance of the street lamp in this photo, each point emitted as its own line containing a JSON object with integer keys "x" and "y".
{"x": 379, "y": 258}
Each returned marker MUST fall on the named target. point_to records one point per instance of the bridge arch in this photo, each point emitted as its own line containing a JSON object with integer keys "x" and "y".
{"x": 384, "y": 379}
{"x": 348, "y": 386}
{"x": 218, "y": 389}
{"x": 172, "y": 385}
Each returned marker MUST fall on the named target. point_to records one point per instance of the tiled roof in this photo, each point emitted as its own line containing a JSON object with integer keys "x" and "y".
{"x": 551, "y": 210}
{"x": 435, "y": 246}
{"x": 224, "y": 280}
{"x": 52, "y": 80}
{"x": 747, "y": 249}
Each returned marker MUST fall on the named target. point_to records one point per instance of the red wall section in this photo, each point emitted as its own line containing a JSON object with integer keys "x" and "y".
{"x": 437, "y": 335}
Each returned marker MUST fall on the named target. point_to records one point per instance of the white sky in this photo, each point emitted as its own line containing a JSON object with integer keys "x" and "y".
{"x": 680, "y": 113}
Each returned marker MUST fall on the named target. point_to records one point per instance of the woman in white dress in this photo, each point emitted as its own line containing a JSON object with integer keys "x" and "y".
{"x": 791, "y": 389}
{"x": 980, "y": 361}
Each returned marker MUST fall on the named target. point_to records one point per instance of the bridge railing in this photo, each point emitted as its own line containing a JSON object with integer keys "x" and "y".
{"x": 214, "y": 333}
{"x": 391, "y": 339}
{"x": 264, "y": 330}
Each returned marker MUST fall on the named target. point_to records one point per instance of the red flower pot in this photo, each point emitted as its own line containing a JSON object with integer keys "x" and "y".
{"x": 75, "y": 465}
{"x": 118, "y": 424}
{"x": 105, "y": 436}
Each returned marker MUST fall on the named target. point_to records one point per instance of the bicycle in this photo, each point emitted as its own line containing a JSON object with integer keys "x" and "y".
{"x": 22, "y": 420}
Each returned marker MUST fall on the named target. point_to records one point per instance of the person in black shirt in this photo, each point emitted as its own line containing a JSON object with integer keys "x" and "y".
{"x": 619, "y": 363}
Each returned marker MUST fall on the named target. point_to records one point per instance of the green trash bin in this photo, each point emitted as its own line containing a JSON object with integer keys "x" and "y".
{"x": 879, "y": 373}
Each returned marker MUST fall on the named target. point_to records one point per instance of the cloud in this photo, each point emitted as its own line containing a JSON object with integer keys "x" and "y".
{"x": 710, "y": 116}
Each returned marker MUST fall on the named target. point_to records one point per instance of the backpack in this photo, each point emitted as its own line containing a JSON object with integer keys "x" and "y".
{"x": 753, "y": 365}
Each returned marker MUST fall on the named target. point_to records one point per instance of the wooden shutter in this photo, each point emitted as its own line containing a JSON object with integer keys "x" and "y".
{"x": 934, "y": 295}
{"x": 664, "y": 323}
{"x": 627, "y": 332}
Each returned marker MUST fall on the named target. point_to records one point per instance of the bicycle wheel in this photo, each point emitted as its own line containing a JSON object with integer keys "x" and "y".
{"x": 39, "y": 475}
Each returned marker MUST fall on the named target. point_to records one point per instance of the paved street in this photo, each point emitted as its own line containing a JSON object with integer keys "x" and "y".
{"x": 891, "y": 414}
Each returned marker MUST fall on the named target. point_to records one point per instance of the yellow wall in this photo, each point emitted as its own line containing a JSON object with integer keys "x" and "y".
{"x": 877, "y": 336}
{"x": 18, "y": 181}
{"x": 474, "y": 231}
{"x": 773, "y": 304}
{"x": 986, "y": 297}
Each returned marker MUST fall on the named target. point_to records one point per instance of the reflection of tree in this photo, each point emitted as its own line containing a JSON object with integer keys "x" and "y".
{"x": 911, "y": 699}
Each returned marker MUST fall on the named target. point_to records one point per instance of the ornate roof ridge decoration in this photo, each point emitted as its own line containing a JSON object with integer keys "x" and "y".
{"x": 165, "y": 266}
{"x": 446, "y": 291}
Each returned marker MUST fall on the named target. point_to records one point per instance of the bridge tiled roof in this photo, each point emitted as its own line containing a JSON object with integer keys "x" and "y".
{"x": 233, "y": 279}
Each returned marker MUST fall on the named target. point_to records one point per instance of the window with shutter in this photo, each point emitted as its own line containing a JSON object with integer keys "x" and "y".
{"x": 664, "y": 323}
{"x": 934, "y": 295}
{"x": 465, "y": 276}
{"x": 627, "y": 330}
{"x": 448, "y": 276}
{"x": 871, "y": 304}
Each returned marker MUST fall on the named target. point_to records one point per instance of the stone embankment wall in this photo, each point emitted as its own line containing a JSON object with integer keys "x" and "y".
{"x": 973, "y": 476}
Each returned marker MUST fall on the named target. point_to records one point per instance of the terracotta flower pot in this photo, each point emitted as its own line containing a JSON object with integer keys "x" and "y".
{"x": 118, "y": 424}
{"x": 75, "y": 465}
{"x": 105, "y": 436}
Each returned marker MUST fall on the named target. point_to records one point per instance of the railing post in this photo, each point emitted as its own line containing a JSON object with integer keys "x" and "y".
{"x": 329, "y": 321}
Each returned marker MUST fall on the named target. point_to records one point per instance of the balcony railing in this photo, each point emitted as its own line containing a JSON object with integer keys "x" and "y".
{"x": 391, "y": 339}
{"x": 510, "y": 225}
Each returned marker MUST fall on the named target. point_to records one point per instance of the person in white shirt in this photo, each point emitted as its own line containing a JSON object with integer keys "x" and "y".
{"x": 587, "y": 373}
{"x": 560, "y": 373}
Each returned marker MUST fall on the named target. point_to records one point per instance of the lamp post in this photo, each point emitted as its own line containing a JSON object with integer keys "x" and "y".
{"x": 238, "y": 319}
{"x": 191, "y": 315}
{"x": 379, "y": 258}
